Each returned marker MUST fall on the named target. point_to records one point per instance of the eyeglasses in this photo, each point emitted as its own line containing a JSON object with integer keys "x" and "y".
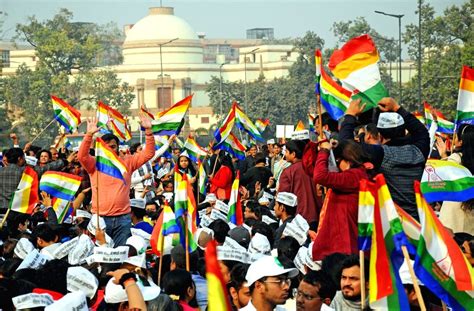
{"x": 282, "y": 282}
{"x": 305, "y": 296}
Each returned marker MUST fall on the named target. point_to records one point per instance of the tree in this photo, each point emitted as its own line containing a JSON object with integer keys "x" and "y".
{"x": 68, "y": 54}
{"x": 447, "y": 43}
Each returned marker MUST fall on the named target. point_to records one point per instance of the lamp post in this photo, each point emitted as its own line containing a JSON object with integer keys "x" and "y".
{"x": 220, "y": 88}
{"x": 399, "y": 16}
{"x": 161, "y": 68}
{"x": 245, "y": 78}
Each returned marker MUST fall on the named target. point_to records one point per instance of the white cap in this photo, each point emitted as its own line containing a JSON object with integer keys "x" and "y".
{"x": 138, "y": 203}
{"x": 92, "y": 225}
{"x": 267, "y": 266}
{"x": 198, "y": 234}
{"x": 300, "y": 135}
{"x": 73, "y": 301}
{"x": 137, "y": 261}
{"x": 389, "y": 120}
{"x": 31, "y": 160}
{"x": 138, "y": 243}
{"x": 124, "y": 147}
{"x": 271, "y": 142}
{"x": 81, "y": 280}
{"x": 405, "y": 273}
{"x": 184, "y": 154}
{"x": 263, "y": 201}
{"x": 83, "y": 249}
{"x": 310, "y": 263}
{"x": 83, "y": 214}
{"x": 287, "y": 198}
{"x": 114, "y": 293}
{"x": 23, "y": 248}
{"x": 210, "y": 197}
{"x": 299, "y": 260}
{"x": 239, "y": 254}
{"x": 259, "y": 244}
{"x": 32, "y": 300}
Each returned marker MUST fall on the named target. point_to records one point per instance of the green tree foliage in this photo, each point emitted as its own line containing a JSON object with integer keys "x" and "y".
{"x": 447, "y": 44}
{"x": 68, "y": 54}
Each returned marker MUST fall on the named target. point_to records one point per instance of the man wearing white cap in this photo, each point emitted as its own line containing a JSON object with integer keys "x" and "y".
{"x": 269, "y": 284}
{"x": 285, "y": 210}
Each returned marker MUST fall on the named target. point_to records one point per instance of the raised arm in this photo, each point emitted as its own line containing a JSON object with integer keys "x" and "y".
{"x": 83, "y": 155}
{"x": 140, "y": 158}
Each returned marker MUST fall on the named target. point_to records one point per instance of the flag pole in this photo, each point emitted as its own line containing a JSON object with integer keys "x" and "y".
{"x": 186, "y": 241}
{"x": 363, "y": 295}
{"x": 162, "y": 246}
{"x": 320, "y": 121}
{"x": 416, "y": 286}
{"x": 97, "y": 197}
{"x": 215, "y": 163}
{"x": 42, "y": 131}
{"x": 5, "y": 218}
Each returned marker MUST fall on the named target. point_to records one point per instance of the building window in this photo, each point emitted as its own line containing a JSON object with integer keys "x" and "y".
{"x": 164, "y": 98}
{"x": 204, "y": 120}
{"x": 5, "y": 59}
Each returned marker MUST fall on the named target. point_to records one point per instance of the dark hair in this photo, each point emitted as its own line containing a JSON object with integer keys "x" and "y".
{"x": 237, "y": 276}
{"x": 138, "y": 212}
{"x": 177, "y": 282}
{"x": 331, "y": 264}
{"x": 371, "y": 129}
{"x": 290, "y": 210}
{"x": 190, "y": 167}
{"x": 255, "y": 208}
{"x": 351, "y": 151}
{"x": 13, "y": 155}
{"x": 251, "y": 146}
{"x": 320, "y": 279}
{"x": 221, "y": 230}
{"x": 260, "y": 158}
{"x": 352, "y": 261}
{"x": 53, "y": 276}
{"x": 178, "y": 256}
{"x": 327, "y": 120}
{"x": 226, "y": 160}
{"x": 38, "y": 154}
{"x": 288, "y": 247}
{"x": 134, "y": 147}
{"x": 45, "y": 232}
{"x": 264, "y": 229}
{"x": 109, "y": 136}
{"x": 297, "y": 147}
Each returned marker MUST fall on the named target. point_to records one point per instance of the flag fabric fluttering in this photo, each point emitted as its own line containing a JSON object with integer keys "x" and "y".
{"x": 262, "y": 124}
{"x": 465, "y": 108}
{"x": 232, "y": 145}
{"x": 60, "y": 185}
{"x": 355, "y": 64}
{"x": 446, "y": 181}
{"x": 202, "y": 179}
{"x": 195, "y": 152}
{"x": 235, "y": 215}
{"x": 334, "y": 98}
{"x": 217, "y": 294}
{"x": 65, "y": 114}
{"x": 225, "y": 129}
{"x": 299, "y": 126}
{"x": 386, "y": 257}
{"x": 245, "y": 124}
{"x": 185, "y": 211}
{"x": 26, "y": 196}
{"x": 161, "y": 239}
{"x": 113, "y": 120}
{"x": 444, "y": 125}
{"x": 365, "y": 217}
{"x": 159, "y": 142}
{"x": 107, "y": 162}
{"x": 449, "y": 274}
{"x": 62, "y": 208}
{"x": 420, "y": 117}
{"x": 171, "y": 121}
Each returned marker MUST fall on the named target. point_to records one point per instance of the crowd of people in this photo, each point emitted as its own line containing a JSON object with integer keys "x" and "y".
{"x": 295, "y": 250}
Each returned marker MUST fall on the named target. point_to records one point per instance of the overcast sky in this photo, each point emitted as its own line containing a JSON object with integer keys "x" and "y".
{"x": 229, "y": 19}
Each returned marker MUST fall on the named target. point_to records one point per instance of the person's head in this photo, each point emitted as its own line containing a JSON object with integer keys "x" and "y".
{"x": 238, "y": 288}
{"x": 168, "y": 186}
{"x": 277, "y": 149}
{"x": 252, "y": 210}
{"x": 328, "y": 123}
{"x": 43, "y": 235}
{"x": 221, "y": 230}
{"x": 54, "y": 153}
{"x": 252, "y": 151}
{"x": 183, "y": 162}
{"x": 112, "y": 141}
{"x": 349, "y": 154}
{"x": 179, "y": 284}
{"x": 15, "y": 156}
{"x": 390, "y": 126}
{"x": 350, "y": 278}
{"x": 269, "y": 282}
{"x": 285, "y": 205}
{"x": 264, "y": 229}
{"x": 43, "y": 156}
{"x": 260, "y": 158}
{"x": 288, "y": 247}
{"x": 371, "y": 134}
{"x": 315, "y": 289}
{"x": 178, "y": 258}
{"x": 294, "y": 151}
{"x": 176, "y": 151}
{"x": 136, "y": 147}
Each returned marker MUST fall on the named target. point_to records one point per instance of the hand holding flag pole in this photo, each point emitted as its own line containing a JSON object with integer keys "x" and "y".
{"x": 92, "y": 128}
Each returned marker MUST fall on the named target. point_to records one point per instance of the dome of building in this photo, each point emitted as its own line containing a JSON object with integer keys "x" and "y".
{"x": 160, "y": 24}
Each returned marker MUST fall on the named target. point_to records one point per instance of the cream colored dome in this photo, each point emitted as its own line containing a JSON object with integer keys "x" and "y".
{"x": 160, "y": 24}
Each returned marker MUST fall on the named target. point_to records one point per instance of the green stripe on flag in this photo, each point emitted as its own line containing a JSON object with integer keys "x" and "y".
{"x": 457, "y": 185}
{"x": 372, "y": 96}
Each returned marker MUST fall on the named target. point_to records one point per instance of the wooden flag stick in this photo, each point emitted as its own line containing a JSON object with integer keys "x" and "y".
{"x": 416, "y": 286}
{"x": 363, "y": 294}
{"x": 42, "y": 131}
{"x": 162, "y": 251}
{"x": 97, "y": 197}
{"x": 215, "y": 164}
{"x": 4, "y": 218}
{"x": 320, "y": 118}
{"x": 186, "y": 241}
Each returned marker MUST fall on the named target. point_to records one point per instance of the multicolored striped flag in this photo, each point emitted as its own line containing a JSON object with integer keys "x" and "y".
{"x": 444, "y": 126}
{"x": 356, "y": 65}
{"x": 195, "y": 152}
{"x": 334, "y": 98}
{"x": 60, "y": 185}
{"x": 161, "y": 239}
{"x": 63, "y": 209}
{"x": 386, "y": 257}
{"x": 311, "y": 122}
{"x": 171, "y": 121}
{"x": 419, "y": 116}
{"x": 446, "y": 181}
{"x": 235, "y": 210}
{"x": 65, "y": 114}
{"x": 202, "y": 179}
{"x": 465, "y": 108}
{"x": 159, "y": 142}
{"x": 107, "y": 162}
{"x": 439, "y": 254}
{"x": 244, "y": 123}
{"x": 185, "y": 211}
{"x": 262, "y": 124}
{"x": 225, "y": 129}
{"x": 233, "y": 146}
{"x": 299, "y": 126}
{"x": 365, "y": 218}
{"x": 113, "y": 120}
{"x": 26, "y": 196}
{"x": 217, "y": 294}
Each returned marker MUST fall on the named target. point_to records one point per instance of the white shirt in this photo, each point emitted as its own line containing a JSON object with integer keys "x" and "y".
{"x": 251, "y": 307}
